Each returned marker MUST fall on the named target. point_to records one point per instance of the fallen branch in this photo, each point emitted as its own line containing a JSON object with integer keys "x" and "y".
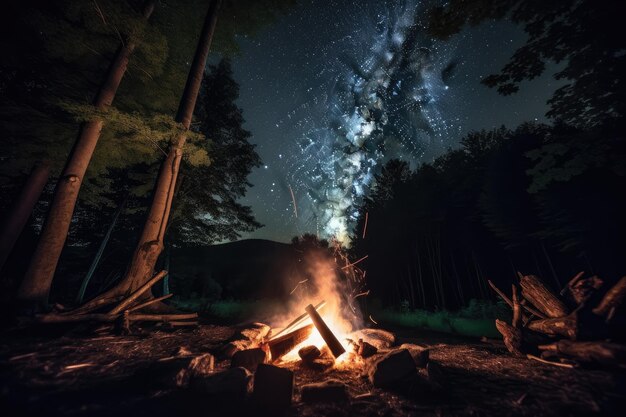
{"x": 538, "y": 359}
{"x": 162, "y": 317}
{"x": 149, "y": 302}
{"x": 134, "y": 296}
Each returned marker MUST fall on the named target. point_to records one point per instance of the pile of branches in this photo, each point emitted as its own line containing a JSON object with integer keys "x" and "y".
{"x": 582, "y": 325}
{"x": 126, "y": 311}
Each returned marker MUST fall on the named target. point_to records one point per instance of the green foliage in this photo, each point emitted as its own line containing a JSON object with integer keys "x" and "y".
{"x": 585, "y": 35}
{"x": 206, "y": 209}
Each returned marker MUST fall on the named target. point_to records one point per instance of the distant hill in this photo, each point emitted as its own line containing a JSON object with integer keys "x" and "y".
{"x": 246, "y": 269}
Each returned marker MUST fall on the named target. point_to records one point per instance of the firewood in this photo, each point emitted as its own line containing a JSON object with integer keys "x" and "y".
{"x": 541, "y": 297}
{"x": 580, "y": 290}
{"x": 333, "y": 344}
{"x": 603, "y": 353}
{"x": 298, "y": 320}
{"x": 512, "y": 337}
{"x": 612, "y": 299}
{"x": 561, "y": 326}
{"x": 285, "y": 343}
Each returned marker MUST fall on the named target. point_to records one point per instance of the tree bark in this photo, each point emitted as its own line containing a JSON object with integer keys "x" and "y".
{"x": 36, "y": 284}
{"x": 561, "y": 326}
{"x": 541, "y": 297}
{"x": 151, "y": 242}
{"x": 513, "y": 338}
{"x": 22, "y": 208}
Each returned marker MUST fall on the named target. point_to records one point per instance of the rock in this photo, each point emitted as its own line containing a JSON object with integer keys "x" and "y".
{"x": 330, "y": 391}
{"x": 164, "y": 372}
{"x": 420, "y": 354}
{"x": 199, "y": 366}
{"x": 380, "y": 339}
{"x": 249, "y": 359}
{"x": 232, "y": 383}
{"x": 273, "y": 387}
{"x": 435, "y": 375}
{"x": 391, "y": 368}
{"x": 366, "y": 350}
{"x": 248, "y": 336}
{"x": 309, "y": 353}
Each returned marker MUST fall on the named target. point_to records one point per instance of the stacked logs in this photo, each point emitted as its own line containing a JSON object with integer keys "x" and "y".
{"x": 580, "y": 325}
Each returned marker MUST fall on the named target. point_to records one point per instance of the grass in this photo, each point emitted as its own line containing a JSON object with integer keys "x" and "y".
{"x": 476, "y": 320}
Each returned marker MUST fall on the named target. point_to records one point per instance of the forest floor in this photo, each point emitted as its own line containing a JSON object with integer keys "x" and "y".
{"x": 69, "y": 374}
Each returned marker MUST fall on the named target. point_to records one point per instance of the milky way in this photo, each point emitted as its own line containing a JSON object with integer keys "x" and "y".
{"x": 377, "y": 100}
{"x": 337, "y": 88}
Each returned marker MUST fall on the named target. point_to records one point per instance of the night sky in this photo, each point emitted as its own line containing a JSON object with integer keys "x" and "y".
{"x": 333, "y": 89}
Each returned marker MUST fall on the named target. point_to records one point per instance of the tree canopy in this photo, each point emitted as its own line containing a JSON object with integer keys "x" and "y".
{"x": 584, "y": 35}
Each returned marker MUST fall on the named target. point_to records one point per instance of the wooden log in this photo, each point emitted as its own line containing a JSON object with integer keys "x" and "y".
{"x": 582, "y": 289}
{"x": 329, "y": 337}
{"x": 604, "y": 353}
{"x": 298, "y": 321}
{"x": 512, "y": 337}
{"x": 541, "y": 297}
{"x": 612, "y": 299}
{"x": 561, "y": 326}
{"x": 162, "y": 317}
{"x": 140, "y": 291}
{"x": 76, "y": 318}
{"x": 285, "y": 343}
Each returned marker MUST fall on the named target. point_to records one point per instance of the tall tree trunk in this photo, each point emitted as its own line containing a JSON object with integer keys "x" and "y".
{"x": 36, "y": 284}
{"x": 150, "y": 243}
{"x": 22, "y": 208}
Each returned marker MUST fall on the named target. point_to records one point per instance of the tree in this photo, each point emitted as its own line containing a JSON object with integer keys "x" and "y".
{"x": 585, "y": 35}
{"x": 150, "y": 243}
{"x": 206, "y": 208}
{"x": 36, "y": 284}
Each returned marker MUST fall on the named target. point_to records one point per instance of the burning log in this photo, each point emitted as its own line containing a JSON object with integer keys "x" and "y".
{"x": 298, "y": 320}
{"x": 333, "y": 344}
{"x": 541, "y": 297}
{"x": 285, "y": 343}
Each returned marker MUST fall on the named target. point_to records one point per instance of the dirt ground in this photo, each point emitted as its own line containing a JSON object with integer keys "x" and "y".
{"x": 69, "y": 374}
